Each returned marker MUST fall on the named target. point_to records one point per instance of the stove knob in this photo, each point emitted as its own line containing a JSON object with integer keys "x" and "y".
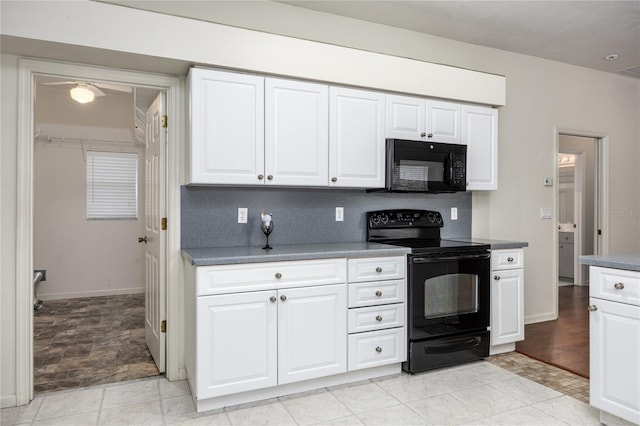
{"x": 384, "y": 218}
{"x": 431, "y": 217}
{"x": 375, "y": 219}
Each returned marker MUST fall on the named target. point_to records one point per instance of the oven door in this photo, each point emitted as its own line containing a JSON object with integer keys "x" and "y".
{"x": 448, "y": 294}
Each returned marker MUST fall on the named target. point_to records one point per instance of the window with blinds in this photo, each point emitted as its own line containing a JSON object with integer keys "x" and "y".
{"x": 112, "y": 185}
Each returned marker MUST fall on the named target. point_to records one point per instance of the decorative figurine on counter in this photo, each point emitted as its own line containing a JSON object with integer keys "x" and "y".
{"x": 267, "y": 227}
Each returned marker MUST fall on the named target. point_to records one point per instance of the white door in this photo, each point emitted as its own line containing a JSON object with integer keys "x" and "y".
{"x": 154, "y": 211}
{"x": 296, "y": 133}
{"x": 237, "y": 343}
{"x": 227, "y": 127}
{"x": 356, "y": 138}
{"x": 614, "y": 343}
{"x": 405, "y": 117}
{"x": 480, "y": 134}
{"x": 507, "y": 306}
{"x": 312, "y": 332}
{"x": 444, "y": 122}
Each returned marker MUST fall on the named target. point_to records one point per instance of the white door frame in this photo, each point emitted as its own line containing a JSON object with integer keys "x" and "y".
{"x": 600, "y": 242}
{"x": 27, "y": 70}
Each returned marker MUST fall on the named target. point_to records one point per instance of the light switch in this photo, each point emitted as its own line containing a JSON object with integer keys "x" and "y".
{"x": 546, "y": 213}
{"x": 339, "y": 214}
{"x": 243, "y": 212}
{"x": 454, "y": 213}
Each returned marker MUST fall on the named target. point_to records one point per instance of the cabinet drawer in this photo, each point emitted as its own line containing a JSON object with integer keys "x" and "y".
{"x": 376, "y": 293}
{"x": 615, "y": 284}
{"x": 507, "y": 259}
{"x": 377, "y": 348}
{"x": 221, "y": 279}
{"x": 377, "y": 268}
{"x": 565, "y": 237}
{"x": 376, "y": 318}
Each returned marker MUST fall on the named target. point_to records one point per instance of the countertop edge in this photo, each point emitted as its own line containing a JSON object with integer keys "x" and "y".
{"x": 629, "y": 262}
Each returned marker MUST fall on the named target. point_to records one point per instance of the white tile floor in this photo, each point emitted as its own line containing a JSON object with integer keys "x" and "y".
{"x": 472, "y": 394}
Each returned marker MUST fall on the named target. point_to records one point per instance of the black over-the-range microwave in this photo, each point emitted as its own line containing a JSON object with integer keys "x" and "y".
{"x": 420, "y": 166}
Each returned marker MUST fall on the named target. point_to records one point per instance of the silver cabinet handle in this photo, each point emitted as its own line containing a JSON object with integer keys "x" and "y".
{"x": 509, "y": 259}
{"x": 283, "y": 298}
{"x": 334, "y": 179}
{"x": 378, "y": 349}
{"x": 618, "y": 286}
{"x": 592, "y": 308}
{"x": 496, "y": 277}
{"x": 270, "y": 177}
{"x": 430, "y": 135}
{"x": 278, "y": 275}
{"x": 423, "y": 134}
{"x": 272, "y": 299}
{"x": 378, "y": 293}
{"x": 378, "y": 269}
{"x": 260, "y": 177}
{"x": 378, "y": 318}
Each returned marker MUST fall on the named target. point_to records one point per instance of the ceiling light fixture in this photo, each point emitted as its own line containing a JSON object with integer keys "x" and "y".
{"x": 612, "y": 57}
{"x": 82, "y": 94}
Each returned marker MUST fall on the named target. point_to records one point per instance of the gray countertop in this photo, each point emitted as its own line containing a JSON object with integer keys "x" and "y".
{"x": 495, "y": 244}
{"x": 630, "y": 262}
{"x": 234, "y": 255}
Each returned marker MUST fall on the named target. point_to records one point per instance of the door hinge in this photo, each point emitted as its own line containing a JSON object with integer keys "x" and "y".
{"x": 163, "y": 224}
{"x": 163, "y": 326}
{"x": 164, "y": 122}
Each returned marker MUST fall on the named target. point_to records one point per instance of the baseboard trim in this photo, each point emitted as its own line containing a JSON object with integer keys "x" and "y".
{"x": 75, "y": 295}
{"x": 7, "y": 401}
{"x": 540, "y": 318}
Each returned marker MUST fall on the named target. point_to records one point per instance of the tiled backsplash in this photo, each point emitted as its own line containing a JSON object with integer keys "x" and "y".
{"x": 301, "y": 216}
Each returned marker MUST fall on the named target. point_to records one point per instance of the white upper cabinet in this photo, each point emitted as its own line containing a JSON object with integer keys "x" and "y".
{"x": 480, "y": 134}
{"x": 356, "y": 138}
{"x": 227, "y": 127}
{"x": 444, "y": 122}
{"x": 296, "y": 133}
{"x": 405, "y": 117}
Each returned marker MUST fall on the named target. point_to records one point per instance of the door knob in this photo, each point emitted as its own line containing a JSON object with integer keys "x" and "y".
{"x": 334, "y": 179}
{"x": 260, "y": 177}
{"x": 592, "y": 308}
{"x": 270, "y": 177}
{"x": 378, "y": 269}
{"x": 423, "y": 134}
{"x": 496, "y": 277}
{"x": 509, "y": 259}
{"x": 378, "y": 293}
{"x": 378, "y": 349}
{"x": 143, "y": 239}
{"x": 618, "y": 286}
{"x": 272, "y": 299}
{"x": 283, "y": 297}
{"x": 378, "y": 318}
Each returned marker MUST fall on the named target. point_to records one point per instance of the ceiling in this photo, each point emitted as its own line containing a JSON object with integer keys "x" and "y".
{"x": 576, "y": 32}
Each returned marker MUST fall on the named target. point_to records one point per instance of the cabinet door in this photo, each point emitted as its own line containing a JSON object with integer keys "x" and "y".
{"x": 614, "y": 351}
{"x": 444, "y": 122}
{"x": 236, "y": 347}
{"x": 405, "y": 117}
{"x": 356, "y": 138}
{"x": 227, "y": 127}
{"x": 507, "y": 306}
{"x": 312, "y": 332}
{"x": 296, "y": 133}
{"x": 565, "y": 260}
{"x": 480, "y": 134}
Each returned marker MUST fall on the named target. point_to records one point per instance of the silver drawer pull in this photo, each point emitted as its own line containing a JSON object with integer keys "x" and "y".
{"x": 272, "y": 299}
{"x": 378, "y": 318}
{"x": 378, "y": 349}
{"x": 278, "y": 275}
{"x": 496, "y": 277}
{"x": 283, "y": 297}
{"x": 378, "y": 293}
{"x": 509, "y": 259}
{"x": 618, "y": 286}
{"x": 378, "y": 269}
{"x": 592, "y": 308}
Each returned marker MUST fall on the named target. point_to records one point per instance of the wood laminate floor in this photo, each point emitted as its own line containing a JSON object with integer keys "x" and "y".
{"x": 565, "y": 341}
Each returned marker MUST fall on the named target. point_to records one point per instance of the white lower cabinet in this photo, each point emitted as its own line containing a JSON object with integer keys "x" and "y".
{"x": 507, "y": 299}
{"x": 614, "y": 342}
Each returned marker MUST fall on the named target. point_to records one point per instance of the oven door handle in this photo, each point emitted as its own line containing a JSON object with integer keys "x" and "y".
{"x": 452, "y": 345}
{"x": 450, "y": 258}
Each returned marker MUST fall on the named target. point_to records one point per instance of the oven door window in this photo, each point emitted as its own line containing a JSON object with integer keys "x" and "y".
{"x": 451, "y": 294}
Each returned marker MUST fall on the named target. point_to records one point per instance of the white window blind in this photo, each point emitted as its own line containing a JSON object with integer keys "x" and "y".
{"x": 112, "y": 185}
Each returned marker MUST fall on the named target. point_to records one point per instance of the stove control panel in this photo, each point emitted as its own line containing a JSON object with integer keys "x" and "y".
{"x": 404, "y": 219}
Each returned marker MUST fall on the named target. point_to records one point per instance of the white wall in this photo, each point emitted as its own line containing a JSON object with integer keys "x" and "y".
{"x": 82, "y": 257}
{"x": 541, "y": 96}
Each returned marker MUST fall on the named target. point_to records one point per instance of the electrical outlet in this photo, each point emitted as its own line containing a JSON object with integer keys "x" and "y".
{"x": 454, "y": 213}
{"x": 243, "y": 213}
{"x": 339, "y": 214}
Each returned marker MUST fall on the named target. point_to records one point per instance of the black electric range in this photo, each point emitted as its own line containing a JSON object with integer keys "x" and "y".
{"x": 448, "y": 289}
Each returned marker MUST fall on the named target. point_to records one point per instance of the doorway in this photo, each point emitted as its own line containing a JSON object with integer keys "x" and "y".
{"x": 29, "y": 71}
{"x": 581, "y": 165}
{"x": 90, "y": 202}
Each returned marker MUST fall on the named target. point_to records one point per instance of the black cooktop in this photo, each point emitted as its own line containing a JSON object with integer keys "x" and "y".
{"x": 416, "y": 229}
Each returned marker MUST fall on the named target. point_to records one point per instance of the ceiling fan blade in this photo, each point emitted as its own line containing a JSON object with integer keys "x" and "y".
{"x": 58, "y": 83}
{"x": 116, "y": 87}
{"x": 95, "y": 90}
